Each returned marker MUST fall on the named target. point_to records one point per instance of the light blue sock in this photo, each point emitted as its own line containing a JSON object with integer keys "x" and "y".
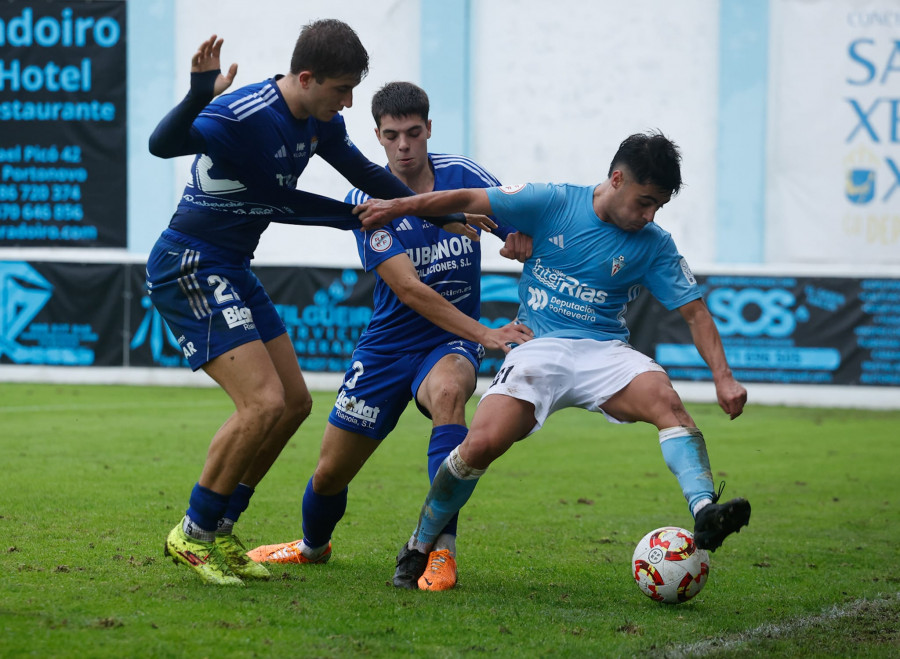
{"x": 443, "y": 440}
{"x": 684, "y": 451}
{"x": 450, "y": 490}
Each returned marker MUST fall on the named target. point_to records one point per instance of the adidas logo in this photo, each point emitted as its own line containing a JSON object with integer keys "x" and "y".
{"x": 557, "y": 240}
{"x": 404, "y": 225}
{"x": 281, "y": 153}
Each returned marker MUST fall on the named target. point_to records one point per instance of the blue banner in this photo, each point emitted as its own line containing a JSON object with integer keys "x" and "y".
{"x": 63, "y": 142}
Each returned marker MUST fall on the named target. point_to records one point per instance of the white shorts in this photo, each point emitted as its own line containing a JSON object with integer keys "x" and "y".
{"x": 553, "y": 374}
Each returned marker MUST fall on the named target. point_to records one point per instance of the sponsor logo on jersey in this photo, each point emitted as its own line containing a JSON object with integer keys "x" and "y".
{"x": 380, "y": 241}
{"x": 686, "y": 270}
{"x": 617, "y": 264}
{"x": 512, "y": 189}
{"x": 453, "y": 246}
{"x": 300, "y": 151}
{"x": 356, "y": 408}
{"x": 404, "y": 225}
{"x": 558, "y": 241}
{"x": 537, "y": 298}
{"x": 559, "y": 282}
{"x": 238, "y": 317}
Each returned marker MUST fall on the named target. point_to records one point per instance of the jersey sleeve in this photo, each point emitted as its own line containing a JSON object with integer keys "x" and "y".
{"x": 175, "y": 135}
{"x": 339, "y": 152}
{"x": 521, "y": 206}
{"x": 376, "y": 247}
{"x": 669, "y": 278}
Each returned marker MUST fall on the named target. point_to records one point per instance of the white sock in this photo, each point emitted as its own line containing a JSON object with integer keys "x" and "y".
{"x": 446, "y": 541}
{"x": 226, "y": 526}
{"x": 312, "y": 553}
{"x": 703, "y": 503}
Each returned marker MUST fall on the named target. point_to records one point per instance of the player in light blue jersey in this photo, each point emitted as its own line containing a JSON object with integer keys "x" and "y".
{"x": 594, "y": 248}
{"x": 251, "y": 146}
{"x": 424, "y": 341}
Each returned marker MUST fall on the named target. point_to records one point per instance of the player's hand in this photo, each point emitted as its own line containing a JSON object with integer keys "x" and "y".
{"x": 207, "y": 59}
{"x": 461, "y": 229}
{"x": 517, "y": 247}
{"x": 375, "y": 213}
{"x": 483, "y": 222}
{"x": 732, "y": 396}
{"x": 506, "y": 337}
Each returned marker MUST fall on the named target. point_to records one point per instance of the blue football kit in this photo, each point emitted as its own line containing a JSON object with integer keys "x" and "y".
{"x": 399, "y": 347}
{"x": 250, "y": 151}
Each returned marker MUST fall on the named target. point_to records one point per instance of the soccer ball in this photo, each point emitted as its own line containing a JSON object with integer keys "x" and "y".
{"x": 668, "y": 567}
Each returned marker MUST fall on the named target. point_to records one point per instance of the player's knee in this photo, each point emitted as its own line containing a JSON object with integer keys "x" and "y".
{"x": 671, "y": 410}
{"x": 268, "y": 405}
{"x": 450, "y": 394}
{"x": 298, "y": 408}
{"x": 326, "y": 481}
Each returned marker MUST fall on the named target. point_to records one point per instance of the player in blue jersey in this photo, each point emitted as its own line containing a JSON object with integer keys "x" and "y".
{"x": 594, "y": 248}
{"x": 424, "y": 341}
{"x": 251, "y": 146}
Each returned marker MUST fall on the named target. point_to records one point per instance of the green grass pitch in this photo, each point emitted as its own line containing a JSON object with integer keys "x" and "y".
{"x": 93, "y": 477}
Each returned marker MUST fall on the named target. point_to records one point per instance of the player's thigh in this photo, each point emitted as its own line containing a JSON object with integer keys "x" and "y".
{"x": 342, "y": 455}
{"x": 296, "y": 393}
{"x": 446, "y": 388}
{"x": 499, "y": 422}
{"x": 247, "y": 375}
{"x": 649, "y": 397}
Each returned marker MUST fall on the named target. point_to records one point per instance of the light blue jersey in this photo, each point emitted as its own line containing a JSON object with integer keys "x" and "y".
{"x": 583, "y": 271}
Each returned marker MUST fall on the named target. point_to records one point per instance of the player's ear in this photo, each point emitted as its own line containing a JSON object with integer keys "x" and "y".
{"x": 617, "y": 178}
{"x": 428, "y": 129}
{"x": 305, "y": 78}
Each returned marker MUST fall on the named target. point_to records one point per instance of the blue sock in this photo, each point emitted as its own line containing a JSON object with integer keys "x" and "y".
{"x": 684, "y": 451}
{"x": 443, "y": 440}
{"x": 321, "y": 514}
{"x": 449, "y": 492}
{"x": 206, "y": 508}
{"x": 237, "y": 503}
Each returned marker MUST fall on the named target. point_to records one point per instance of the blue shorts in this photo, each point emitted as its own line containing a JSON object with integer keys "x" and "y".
{"x": 378, "y": 386}
{"x": 209, "y": 297}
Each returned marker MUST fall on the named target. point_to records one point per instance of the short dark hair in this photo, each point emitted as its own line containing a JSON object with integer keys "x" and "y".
{"x": 651, "y": 158}
{"x": 399, "y": 99}
{"x": 330, "y": 49}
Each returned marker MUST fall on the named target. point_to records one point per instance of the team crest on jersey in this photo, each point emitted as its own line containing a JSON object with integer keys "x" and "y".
{"x": 380, "y": 241}
{"x": 617, "y": 264}
{"x": 512, "y": 189}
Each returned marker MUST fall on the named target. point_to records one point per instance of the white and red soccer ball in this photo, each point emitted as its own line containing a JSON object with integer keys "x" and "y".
{"x": 668, "y": 566}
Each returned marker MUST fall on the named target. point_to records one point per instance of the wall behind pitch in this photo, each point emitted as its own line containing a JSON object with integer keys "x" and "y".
{"x": 834, "y": 136}
{"x": 553, "y": 92}
{"x": 557, "y": 87}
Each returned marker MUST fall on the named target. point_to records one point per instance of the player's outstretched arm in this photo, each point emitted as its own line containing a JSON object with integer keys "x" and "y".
{"x": 731, "y": 394}
{"x": 398, "y": 273}
{"x": 174, "y": 135}
{"x": 466, "y": 200}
